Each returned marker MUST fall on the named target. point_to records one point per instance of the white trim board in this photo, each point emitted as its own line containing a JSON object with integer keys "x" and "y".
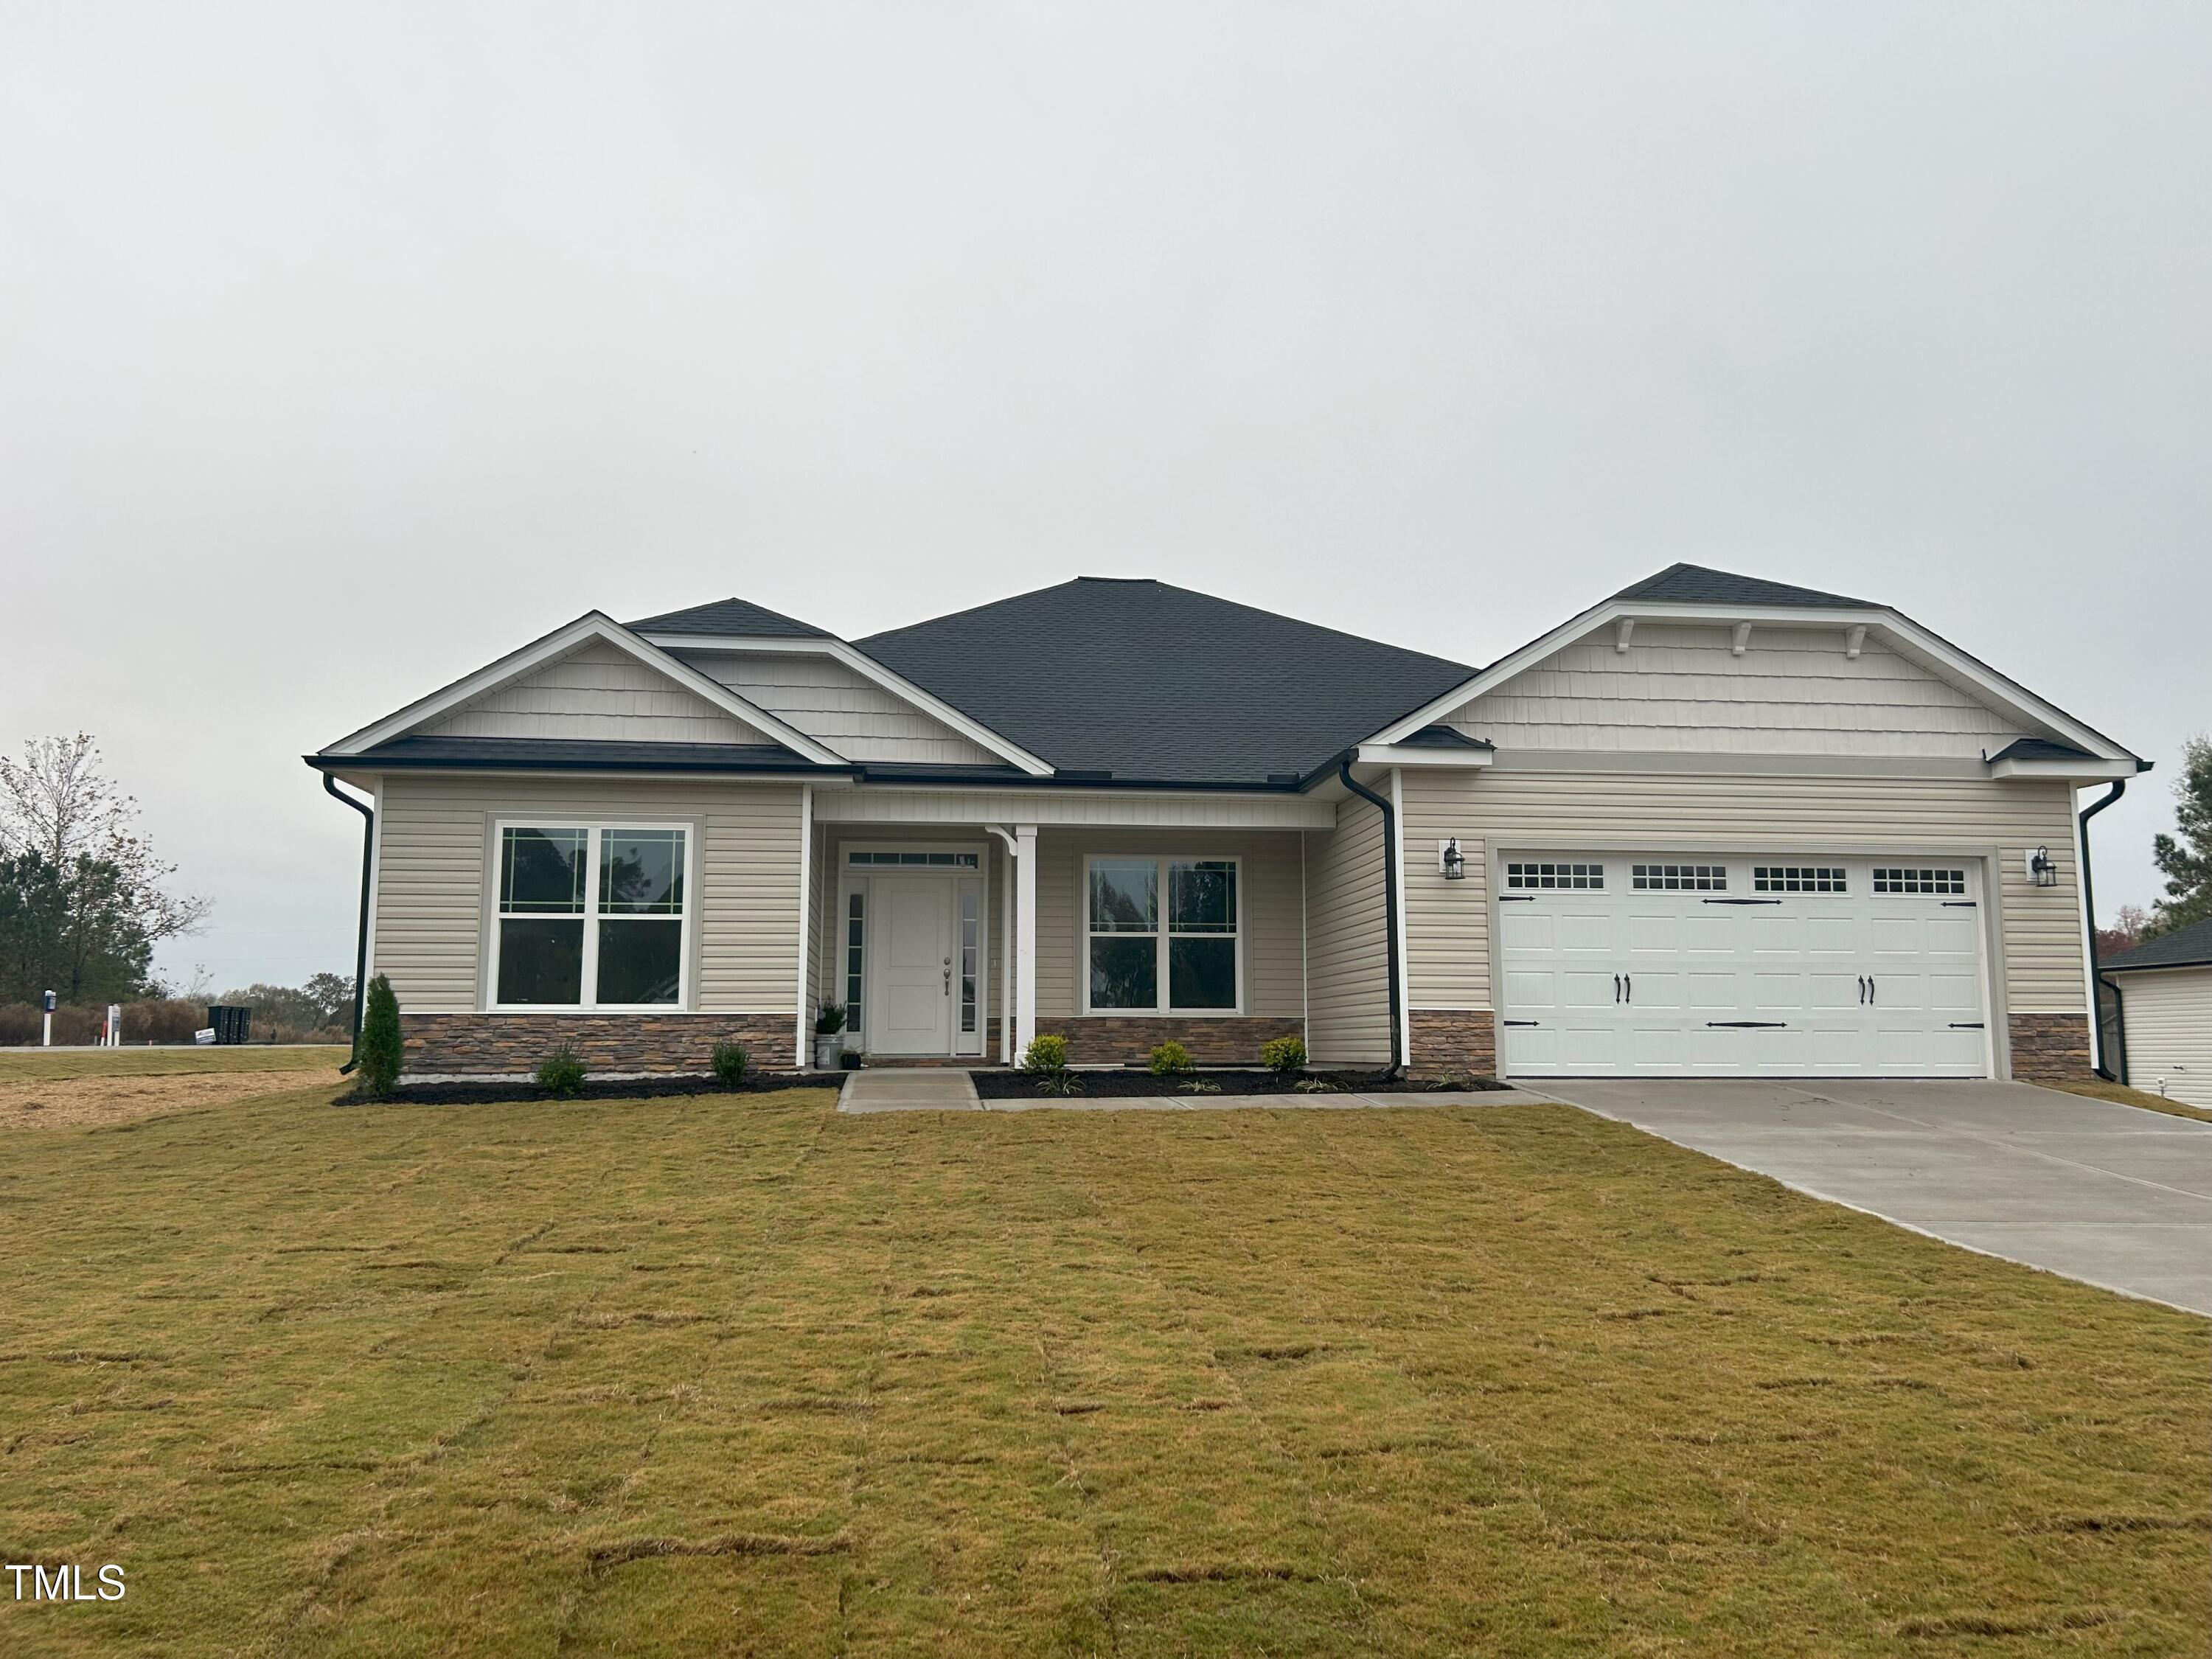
{"x": 867, "y": 667}
{"x": 1906, "y": 637}
{"x": 592, "y": 625}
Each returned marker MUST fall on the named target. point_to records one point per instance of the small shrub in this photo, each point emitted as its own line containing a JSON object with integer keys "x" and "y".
{"x": 830, "y": 1020}
{"x": 1059, "y": 1082}
{"x": 1284, "y": 1054}
{"x": 1046, "y": 1054}
{"x": 1170, "y": 1059}
{"x": 561, "y": 1072}
{"x": 730, "y": 1061}
{"x": 1318, "y": 1085}
{"x": 1200, "y": 1085}
{"x": 377, "y": 1055}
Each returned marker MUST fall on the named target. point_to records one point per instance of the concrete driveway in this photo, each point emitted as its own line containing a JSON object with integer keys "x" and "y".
{"x": 2115, "y": 1195}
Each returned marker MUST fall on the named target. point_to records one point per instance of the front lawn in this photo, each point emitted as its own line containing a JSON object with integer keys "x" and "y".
{"x": 746, "y": 1376}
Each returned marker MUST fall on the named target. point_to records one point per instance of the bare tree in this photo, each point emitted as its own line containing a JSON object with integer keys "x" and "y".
{"x": 68, "y": 831}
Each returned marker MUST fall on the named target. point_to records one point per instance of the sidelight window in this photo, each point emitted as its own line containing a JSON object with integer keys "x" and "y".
{"x": 1161, "y": 935}
{"x": 590, "y": 916}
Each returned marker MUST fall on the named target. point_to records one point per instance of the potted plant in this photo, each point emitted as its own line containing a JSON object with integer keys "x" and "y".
{"x": 829, "y": 1021}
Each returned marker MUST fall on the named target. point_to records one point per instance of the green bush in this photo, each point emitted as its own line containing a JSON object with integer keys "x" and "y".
{"x": 561, "y": 1072}
{"x": 1284, "y": 1054}
{"x": 830, "y": 1020}
{"x": 377, "y": 1054}
{"x": 1046, "y": 1054}
{"x": 1170, "y": 1059}
{"x": 730, "y": 1062}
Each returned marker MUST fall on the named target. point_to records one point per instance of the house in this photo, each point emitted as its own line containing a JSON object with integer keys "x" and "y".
{"x": 2163, "y": 988}
{"x": 1712, "y": 825}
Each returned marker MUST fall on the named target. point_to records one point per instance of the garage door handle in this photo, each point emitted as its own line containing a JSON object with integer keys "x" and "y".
{"x": 1616, "y": 987}
{"x": 1743, "y": 900}
{"x": 1968, "y": 1025}
{"x": 1749, "y": 1024}
{"x": 1958, "y": 904}
{"x": 1516, "y": 898}
{"x": 1520, "y": 1021}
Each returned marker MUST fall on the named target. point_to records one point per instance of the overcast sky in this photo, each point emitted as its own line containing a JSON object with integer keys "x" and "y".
{"x": 343, "y": 348}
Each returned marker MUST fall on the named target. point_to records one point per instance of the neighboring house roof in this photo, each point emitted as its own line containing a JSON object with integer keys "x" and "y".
{"x": 1152, "y": 683}
{"x": 1693, "y": 584}
{"x": 2184, "y": 947}
{"x": 731, "y": 618}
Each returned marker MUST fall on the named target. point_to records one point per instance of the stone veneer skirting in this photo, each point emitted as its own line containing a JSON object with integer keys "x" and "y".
{"x": 1219, "y": 1040}
{"x": 1452, "y": 1042}
{"x": 2051, "y": 1048}
{"x": 458, "y": 1044}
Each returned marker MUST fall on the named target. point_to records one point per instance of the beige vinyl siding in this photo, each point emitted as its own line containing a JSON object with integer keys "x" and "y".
{"x": 1267, "y": 910}
{"x": 838, "y": 706}
{"x": 1347, "y": 965}
{"x": 434, "y": 886}
{"x": 1681, "y": 688}
{"x": 833, "y": 841}
{"x": 597, "y": 692}
{"x": 2041, "y": 968}
{"x": 2169, "y": 1019}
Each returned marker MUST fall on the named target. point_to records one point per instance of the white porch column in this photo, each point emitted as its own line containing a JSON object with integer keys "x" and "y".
{"x": 1025, "y": 842}
{"x": 1006, "y": 950}
{"x": 806, "y": 1020}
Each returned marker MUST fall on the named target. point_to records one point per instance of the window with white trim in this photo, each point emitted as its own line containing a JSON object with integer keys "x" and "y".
{"x": 590, "y": 916}
{"x": 1798, "y": 879}
{"x": 1161, "y": 935}
{"x": 1679, "y": 877}
{"x": 1897, "y": 879}
{"x": 1555, "y": 875}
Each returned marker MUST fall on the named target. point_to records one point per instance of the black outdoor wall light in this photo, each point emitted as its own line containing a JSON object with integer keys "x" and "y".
{"x": 1452, "y": 861}
{"x": 2040, "y": 869}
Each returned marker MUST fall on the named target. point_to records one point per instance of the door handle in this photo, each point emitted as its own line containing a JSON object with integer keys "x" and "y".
{"x": 1871, "y": 998}
{"x": 1629, "y": 980}
{"x": 1616, "y": 987}
{"x": 1862, "y": 990}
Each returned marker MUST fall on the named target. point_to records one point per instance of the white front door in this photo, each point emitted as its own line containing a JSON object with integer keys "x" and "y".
{"x": 1779, "y": 965}
{"x": 912, "y": 1010}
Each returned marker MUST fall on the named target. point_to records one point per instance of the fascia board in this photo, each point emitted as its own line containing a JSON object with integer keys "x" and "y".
{"x": 862, "y": 664}
{"x": 2085, "y": 771}
{"x": 592, "y": 624}
{"x": 1931, "y": 651}
{"x": 1391, "y": 754}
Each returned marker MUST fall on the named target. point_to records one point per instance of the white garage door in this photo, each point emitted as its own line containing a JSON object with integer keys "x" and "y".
{"x": 1792, "y": 965}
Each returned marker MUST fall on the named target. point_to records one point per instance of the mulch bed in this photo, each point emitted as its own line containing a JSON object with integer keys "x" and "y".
{"x": 492, "y": 1092}
{"x": 1134, "y": 1084}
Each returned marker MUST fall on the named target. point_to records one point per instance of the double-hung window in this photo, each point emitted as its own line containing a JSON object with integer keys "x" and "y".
{"x": 590, "y": 916}
{"x": 1161, "y": 935}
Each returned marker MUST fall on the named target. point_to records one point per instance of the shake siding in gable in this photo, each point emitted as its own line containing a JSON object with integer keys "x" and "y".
{"x": 1448, "y": 936}
{"x": 435, "y": 880}
{"x": 1347, "y": 970}
{"x": 597, "y": 692}
{"x": 839, "y": 707}
{"x": 1681, "y": 688}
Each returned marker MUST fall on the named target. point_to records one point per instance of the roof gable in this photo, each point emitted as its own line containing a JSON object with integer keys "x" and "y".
{"x": 731, "y": 619}
{"x": 594, "y": 691}
{"x": 1695, "y": 584}
{"x": 1145, "y": 681}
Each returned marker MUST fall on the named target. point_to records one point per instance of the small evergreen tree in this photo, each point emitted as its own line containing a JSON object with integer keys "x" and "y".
{"x": 377, "y": 1053}
{"x": 2186, "y": 861}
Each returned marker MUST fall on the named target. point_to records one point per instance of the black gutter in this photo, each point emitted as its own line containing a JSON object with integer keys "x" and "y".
{"x": 2096, "y": 976}
{"x": 328, "y": 763}
{"x": 361, "y": 943}
{"x": 1389, "y": 896}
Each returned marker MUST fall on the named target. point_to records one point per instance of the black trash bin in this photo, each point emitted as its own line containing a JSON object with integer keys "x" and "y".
{"x": 230, "y": 1024}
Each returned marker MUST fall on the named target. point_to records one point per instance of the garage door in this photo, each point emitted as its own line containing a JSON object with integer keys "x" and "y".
{"x": 1787, "y": 965}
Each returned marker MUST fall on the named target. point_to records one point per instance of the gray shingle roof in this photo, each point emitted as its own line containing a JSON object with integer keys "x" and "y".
{"x": 731, "y": 618}
{"x": 583, "y": 754}
{"x": 2184, "y": 947}
{"x": 2028, "y": 748}
{"x": 1157, "y": 683}
{"x": 1693, "y": 584}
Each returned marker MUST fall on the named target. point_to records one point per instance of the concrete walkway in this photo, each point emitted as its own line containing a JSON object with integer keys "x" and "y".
{"x": 2115, "y": 1195}
{"x": 895, "y": 1089}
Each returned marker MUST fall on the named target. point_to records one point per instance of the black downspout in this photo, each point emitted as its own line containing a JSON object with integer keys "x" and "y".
{"x": 361, "y": 943}
{"x": 2098, "y": 982}
{"x": 1389, "y": 896}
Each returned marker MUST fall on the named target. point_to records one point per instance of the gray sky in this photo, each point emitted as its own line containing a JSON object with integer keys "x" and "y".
{"x": 343, "y": 348}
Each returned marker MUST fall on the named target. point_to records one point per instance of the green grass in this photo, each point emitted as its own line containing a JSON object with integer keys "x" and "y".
{"x": 746, "y": 1376}
{"x": 41, "y": 1065}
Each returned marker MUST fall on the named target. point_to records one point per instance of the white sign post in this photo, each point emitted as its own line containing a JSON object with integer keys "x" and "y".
{"x": 114, "y": 1025}
{"x": 47, "y": 1032}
